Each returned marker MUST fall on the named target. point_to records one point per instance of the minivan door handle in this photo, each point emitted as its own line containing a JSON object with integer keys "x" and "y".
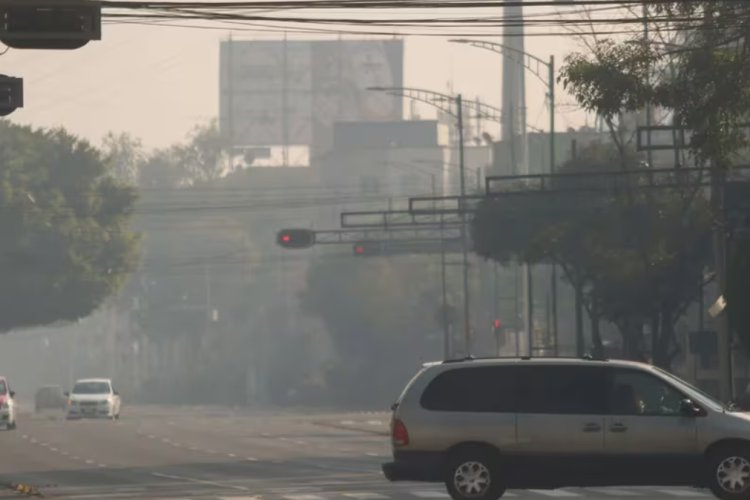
{"x": 592, "y": 427}
{"x": 618, "y": 427}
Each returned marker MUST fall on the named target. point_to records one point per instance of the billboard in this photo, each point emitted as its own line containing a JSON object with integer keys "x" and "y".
{"x": 292, "y": 92}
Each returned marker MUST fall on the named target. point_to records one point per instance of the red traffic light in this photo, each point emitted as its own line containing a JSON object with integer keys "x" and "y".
{"x": 368, "y": 248}
{"x": 295, "y": 238}
{"x": 496, "y": 324}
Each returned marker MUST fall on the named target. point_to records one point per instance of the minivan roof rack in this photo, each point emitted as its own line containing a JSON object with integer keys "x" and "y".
{"x": 587, "y": 357}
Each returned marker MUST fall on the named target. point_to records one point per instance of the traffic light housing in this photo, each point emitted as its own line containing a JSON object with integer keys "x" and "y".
{"x": 496, "y": 325}
{"x": 49, "y": 24}
{"x": 295, "y": 238}
{"x": 11, "y": 94}
{"x": 368, "y": 248}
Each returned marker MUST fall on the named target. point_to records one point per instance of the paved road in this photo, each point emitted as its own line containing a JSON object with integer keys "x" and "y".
{"x": 200, "y": 453}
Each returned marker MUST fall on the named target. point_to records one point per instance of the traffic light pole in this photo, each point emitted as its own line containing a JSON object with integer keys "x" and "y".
{"x": 464, "y": 243}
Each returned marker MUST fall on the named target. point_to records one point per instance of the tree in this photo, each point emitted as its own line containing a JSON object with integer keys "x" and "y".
{"x": 123, "y": 154}
{"x": 372, "y": 310}
{"x": 637, "y": 259}
{"x": 66, "y": 244}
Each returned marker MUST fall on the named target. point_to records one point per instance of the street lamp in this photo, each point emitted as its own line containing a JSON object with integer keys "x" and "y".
{"x": 538, "y": 67}
{"x": 444, "y": 102}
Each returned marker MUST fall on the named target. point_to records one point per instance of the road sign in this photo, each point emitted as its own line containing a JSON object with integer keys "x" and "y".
{"x": 663, "y": 137}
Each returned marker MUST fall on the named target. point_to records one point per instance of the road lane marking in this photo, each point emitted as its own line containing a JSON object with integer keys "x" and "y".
{"x": 685, "y": 493}
{"x": 430, "y": 494}
{"x": 364, "y": 495}
{"x": 64, "y": 453}
{"x": 556, "y": 493}
{"x": 199, "y": 481}
{"x": 90, "y": 462}
{"x": 254, "y": 497}
{"x": 303, "y": 497}
{"x": 53, "y": 449}
{"x": 151, "y": 436}
{"x": 614, "y": 492}
{"x": 251, "y": 459}
{"x": 300, "y": 442}
{"x": 231, "y": 455}
{"x": 371, "y": 454}
{"x": 24, "y": 436}
{"x": 101, "y": 465}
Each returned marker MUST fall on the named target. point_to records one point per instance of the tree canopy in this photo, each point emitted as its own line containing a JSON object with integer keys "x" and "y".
{"x": 66, "y": 244}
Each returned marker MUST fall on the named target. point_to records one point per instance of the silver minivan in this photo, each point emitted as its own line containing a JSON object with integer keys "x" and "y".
{"x": 482, "y": 426}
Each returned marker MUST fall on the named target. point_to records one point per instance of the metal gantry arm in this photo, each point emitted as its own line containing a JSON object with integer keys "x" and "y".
{"x": 389, "y": 219}
{"x": 537, "y": 66}
{"x": 403, "y": 234}
{"x": 443, "y": 102}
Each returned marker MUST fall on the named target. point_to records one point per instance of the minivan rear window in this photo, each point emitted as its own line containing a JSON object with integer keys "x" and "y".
{"x": 484, "y": 389}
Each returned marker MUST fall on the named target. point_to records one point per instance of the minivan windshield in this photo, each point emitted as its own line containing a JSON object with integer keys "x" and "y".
{"x": 91, "y": 388}
{"x": 3, "y": 388}
{"x": 718, "y": 405}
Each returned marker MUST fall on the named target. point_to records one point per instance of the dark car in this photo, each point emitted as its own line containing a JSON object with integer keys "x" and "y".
{"x": 50, "y": 397}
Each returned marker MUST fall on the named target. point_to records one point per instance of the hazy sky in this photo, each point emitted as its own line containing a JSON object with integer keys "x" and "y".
{"x": 157, "y": 82}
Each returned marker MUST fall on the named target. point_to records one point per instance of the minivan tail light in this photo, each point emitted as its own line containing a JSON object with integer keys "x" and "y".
{"x": 399, "y": 434}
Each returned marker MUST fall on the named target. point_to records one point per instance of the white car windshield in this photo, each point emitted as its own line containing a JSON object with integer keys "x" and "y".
{"x": 91, "y": 388}
{"x": 3, "y": 388}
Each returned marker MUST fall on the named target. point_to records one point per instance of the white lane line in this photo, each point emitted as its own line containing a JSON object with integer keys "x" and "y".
{"x": 371, "y": 454}
{"x": 193, "y": 448}
{"x": 685, "y": 493}
{"x": 303, "y": 497}
{"x": 151, "y": 436}
{"x": 53, "y": 449}
{"x": 44, "y": 444}
{"x": 300, "y": 443}
{"x": 90, "y": 462}
{"x": 64, "y": 453}
{"x": 364, "y": 495}
{"x": 199, "y": 481}
{"x": 33, "y": 441}
{"x": 430, "y": 494}
{"x": 614, "y": 492}
{"x": 255, "y": 497}
{"x": 75, "y": 457}
{"x": 251, "y": 459}
{"x": 165, "y": 440}
{"x": 24, "y": 436}
{"x": 101, "y": 465}
{"x": 231, "y": 455}
{"x": 556, "y": 493}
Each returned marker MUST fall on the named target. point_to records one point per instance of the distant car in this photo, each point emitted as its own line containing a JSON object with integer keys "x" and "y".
{"x": 7, "y": 405}
{"x": 93, "y": 398}
{"x": 50, "y": 397}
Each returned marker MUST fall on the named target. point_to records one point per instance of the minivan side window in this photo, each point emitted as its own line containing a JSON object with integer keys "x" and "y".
{"x": 484, "y": 389}
{"x": 560, "y": 389}
{"x": 637, "y": 393}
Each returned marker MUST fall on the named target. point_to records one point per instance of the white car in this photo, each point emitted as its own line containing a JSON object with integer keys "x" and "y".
{"x": 7, "y": 405}
{"x": 93, "y": 398}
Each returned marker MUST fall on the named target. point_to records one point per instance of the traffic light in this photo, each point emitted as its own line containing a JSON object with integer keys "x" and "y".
{"x": 496, "y": 325}
{"x": 368, "y": 248}
{"x": 11, "y": 94}
{"x": 295, "y": 238}
{"x": 49, "y": 24}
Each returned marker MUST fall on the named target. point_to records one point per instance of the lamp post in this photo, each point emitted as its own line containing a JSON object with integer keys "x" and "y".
{"x": 446, "y": 103}
{"x": 538, "y": 67}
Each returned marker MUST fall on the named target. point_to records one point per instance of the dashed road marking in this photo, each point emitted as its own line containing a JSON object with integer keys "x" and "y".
{"x": 53, "y": 449}
{"x": 364, "y": 495}
{"x": 151, "y": 436}
{"x": 555, "y": 493}
{"x": 614, "y": 492}
{"x": 251, "y": 459}
{"x": 90, "y": 462}
{"x": 231, "y": 455}
{"x": 199, "y": 481}
{"x": 685, "y": 493}
{"x": 430, "y": 494}
{"x": 303, "y": 497}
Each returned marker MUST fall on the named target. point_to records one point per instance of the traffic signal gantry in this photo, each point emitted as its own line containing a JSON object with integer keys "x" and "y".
{"x": 44, "y": 24}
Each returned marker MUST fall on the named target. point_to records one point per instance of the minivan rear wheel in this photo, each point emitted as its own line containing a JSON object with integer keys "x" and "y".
{"x": 474, "y": 475}
{"x": 729, "y": 472}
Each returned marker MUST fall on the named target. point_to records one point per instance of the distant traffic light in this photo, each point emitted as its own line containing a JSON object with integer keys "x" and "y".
{"x": 49, "y": 24}
{"x": 496, "y": 325}
{"x": 11, "y": 94}
{"x": 295, "y": 238}
{"x": 368, "y": 248}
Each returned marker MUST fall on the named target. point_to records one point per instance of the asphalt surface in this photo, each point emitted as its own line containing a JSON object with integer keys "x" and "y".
{"x": 204, "y": 453}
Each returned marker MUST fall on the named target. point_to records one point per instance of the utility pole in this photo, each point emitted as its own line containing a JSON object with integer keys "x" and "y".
{"x": 464, "y": 242}
{"x": 553, "y": 277}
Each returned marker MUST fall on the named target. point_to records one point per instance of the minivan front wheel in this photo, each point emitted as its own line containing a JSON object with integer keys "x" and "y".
{"x": 474, "y": 476}
{"x": 729, "y": 473}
